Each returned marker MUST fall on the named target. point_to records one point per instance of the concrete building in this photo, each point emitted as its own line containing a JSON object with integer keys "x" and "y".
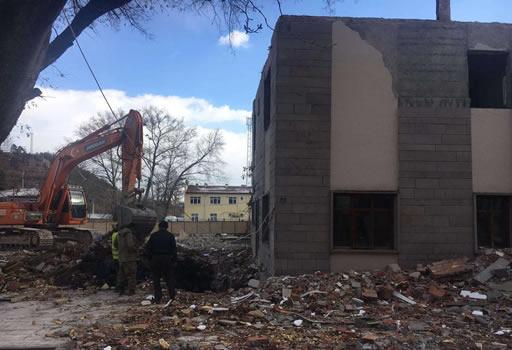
{"x": 217, "y": 203}
{"x": 381, "y": 140}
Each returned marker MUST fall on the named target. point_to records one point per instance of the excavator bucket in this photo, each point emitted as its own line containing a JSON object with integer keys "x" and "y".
{"x": 143, "y": 219}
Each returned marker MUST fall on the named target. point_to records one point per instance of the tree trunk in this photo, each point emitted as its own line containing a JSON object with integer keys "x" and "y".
{"x": 26, "y": 27}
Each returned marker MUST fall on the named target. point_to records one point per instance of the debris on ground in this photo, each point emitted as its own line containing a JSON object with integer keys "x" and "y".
{"x": 218, "y": 266}
{"x": 443, "y": 306}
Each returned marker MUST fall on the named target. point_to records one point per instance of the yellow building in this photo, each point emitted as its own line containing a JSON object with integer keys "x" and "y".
{"x": 217, "y": 203}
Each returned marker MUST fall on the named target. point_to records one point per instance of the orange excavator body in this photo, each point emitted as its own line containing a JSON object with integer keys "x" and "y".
{"x": 60, "y": 204}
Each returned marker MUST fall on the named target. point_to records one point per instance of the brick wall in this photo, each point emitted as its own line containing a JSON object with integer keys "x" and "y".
{"x": 428, "y": 63}
{"x": 303, "y": 95}
{"x": 435, "y": 197}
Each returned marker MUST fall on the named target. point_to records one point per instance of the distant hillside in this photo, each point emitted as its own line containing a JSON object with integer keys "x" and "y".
{"x": 29, "y": 170}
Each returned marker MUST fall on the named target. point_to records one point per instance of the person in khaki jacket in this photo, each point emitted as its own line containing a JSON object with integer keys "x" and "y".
{"x": 128, "y": 255}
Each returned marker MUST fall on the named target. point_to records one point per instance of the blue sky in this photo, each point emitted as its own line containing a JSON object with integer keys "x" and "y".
{"x": 184, "y": 58}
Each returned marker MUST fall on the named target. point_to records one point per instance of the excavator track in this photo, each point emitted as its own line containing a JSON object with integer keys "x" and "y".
{"x": 83, "y": 237}
{"x": 15, "y": 238}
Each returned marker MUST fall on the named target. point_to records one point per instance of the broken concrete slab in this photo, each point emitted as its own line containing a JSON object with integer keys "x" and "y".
{"x": 253, "y": 283}
{"x": 503, "y": 287}
{"x": 445, "y": 268}
{"x": 487, "y": 274}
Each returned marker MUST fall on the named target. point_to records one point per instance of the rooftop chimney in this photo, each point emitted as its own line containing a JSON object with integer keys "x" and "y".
{"x": 443, "y": 10}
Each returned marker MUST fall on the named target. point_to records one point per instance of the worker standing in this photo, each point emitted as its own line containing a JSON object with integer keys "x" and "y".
{"x": 115, "y": 253}
{"x": 160, "y": 250}
{"x": 128, "y": 256}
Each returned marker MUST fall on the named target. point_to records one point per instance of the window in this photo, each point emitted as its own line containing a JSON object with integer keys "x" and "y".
{"x": 232, "y": 200}
{"x": 267, "y": 95}
{"x": 364, "y": 221}
{"x": 194, "y": 217}
{"x": 253, "y": 148}
{"x": 256, "y": 214}
{"x": 213, "y": 217}
{"x": 493, "y": 221}
{"x": 214, "y": 200}
{"x": 265, "y": 231}
{"x": 195, "y": 200}
{"x": 487, "y": 79}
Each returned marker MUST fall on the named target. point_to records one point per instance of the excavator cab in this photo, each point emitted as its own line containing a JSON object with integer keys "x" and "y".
{"x": 69, "y": 207}
{"x": 76, "y": 213}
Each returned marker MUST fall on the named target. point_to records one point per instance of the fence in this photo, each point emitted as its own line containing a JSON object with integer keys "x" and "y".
{"x": 206, "y": 227}
{"x": 98, "y": 225}
{"x": 185, "y": 227}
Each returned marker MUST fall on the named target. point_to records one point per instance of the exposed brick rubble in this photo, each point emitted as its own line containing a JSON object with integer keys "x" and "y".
{"x": 441, "y": 305}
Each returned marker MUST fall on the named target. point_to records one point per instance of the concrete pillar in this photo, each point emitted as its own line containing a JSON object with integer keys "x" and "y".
{"x": 443, "y": 10}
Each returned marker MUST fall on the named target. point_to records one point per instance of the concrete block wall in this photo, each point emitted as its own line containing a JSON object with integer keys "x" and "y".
{"x": 428, "y": 64}
{"x": 435, "y": 196}
{"x": 264, "y": 165}
{"x": 303, "y": 95}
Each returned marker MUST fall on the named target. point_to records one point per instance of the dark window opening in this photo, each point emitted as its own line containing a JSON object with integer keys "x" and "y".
{"x": 267, "y": 95}
{"x": 265, "y": 230}
{"x": 253, "y": 148}
{"x": 487, "y": 79}
{"x": 493, "y": 221}
{"x": 256, "y": 223}
{"x": 256, "y": 214}
{"x": 364, "y": 221}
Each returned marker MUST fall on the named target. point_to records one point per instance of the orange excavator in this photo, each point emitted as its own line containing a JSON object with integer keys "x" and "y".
{"x": 59, "y": 206}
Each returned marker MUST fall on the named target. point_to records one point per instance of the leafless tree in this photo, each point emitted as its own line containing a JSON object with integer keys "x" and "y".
{"x": 196, "y": 160}
{"x": 36, "y": 33}
{"x": 175, "y": 154}
{"x": 163, "y": 136}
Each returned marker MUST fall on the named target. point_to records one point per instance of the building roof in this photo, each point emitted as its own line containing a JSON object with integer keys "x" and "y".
{"x": 196, "y": 189}
{"x": 20, "y": 194}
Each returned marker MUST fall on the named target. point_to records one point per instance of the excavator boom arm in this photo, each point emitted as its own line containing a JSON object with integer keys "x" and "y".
{"x": 129, "y": 137}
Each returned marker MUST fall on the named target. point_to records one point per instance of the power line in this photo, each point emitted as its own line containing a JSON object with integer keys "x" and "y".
{"x": 88, "y": 65}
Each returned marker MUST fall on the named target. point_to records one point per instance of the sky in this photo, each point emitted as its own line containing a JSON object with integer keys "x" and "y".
{"x": 193, "y": 68}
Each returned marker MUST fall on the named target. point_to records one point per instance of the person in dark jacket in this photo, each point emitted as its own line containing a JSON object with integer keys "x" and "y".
{"x": 160, "y": 250}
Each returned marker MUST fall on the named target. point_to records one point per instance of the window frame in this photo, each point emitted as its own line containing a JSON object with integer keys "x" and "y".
{"x": 211, "y": 216}
{"x": 212, "y": 200}
{"x": 396, "y": 223}
{"x": 192, "y": 198}
{"x": 265, "y": 214}
{"x": 194, "y": 217}
{"x": 475, "y": 218}
{"x": 506, "y": 102}
{"x": 231, "y": 200}
{"x": 267, "y": 98}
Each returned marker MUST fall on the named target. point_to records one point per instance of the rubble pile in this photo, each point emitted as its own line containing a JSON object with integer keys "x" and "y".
{"x": 203, "y": 264}
{"x": 34, "y": 270}
{"x": 442, "y": 305}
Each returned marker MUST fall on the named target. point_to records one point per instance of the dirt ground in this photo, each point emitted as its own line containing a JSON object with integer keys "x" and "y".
{"x": 49, "y": 323}
{"x": 452, "y": 304}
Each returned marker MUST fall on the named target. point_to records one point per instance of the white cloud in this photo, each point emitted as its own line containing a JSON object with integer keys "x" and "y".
{"x": 234, "y": 155}
{"x": 235, "y": 39}
{"x": 56, "y": 117}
